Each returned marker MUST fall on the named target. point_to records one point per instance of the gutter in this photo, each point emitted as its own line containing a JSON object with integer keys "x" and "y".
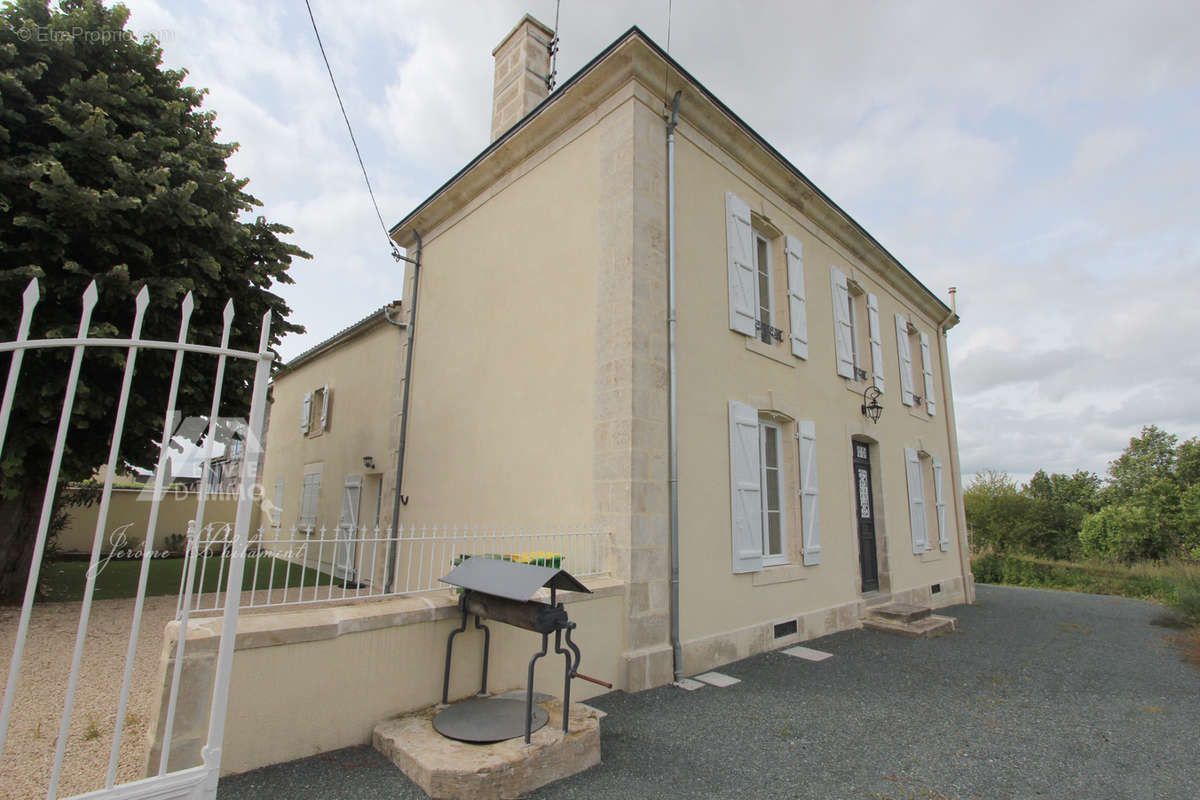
{"x": 408, "y": 360}
{"x": 964, "y": 556}
{"x": 672, "y": 392}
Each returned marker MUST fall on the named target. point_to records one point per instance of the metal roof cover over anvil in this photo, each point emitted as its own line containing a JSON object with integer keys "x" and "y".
{"x": 508, "y": 579}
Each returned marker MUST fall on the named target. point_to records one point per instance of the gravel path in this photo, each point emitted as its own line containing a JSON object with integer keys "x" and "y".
{"x": 41, "y": 690}
{"x": 1039, "y": 694}
{"x": 33, "y": 731}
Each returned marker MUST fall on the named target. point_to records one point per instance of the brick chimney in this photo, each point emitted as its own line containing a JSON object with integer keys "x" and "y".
{"x": 522, "y": 64}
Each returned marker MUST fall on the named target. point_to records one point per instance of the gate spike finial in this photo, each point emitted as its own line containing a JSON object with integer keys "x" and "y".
{"x": 90, "y": 295}
{"x": 139, "y": 304}
{"x": 30, "y": 297}
{"x": 227, "y": 315}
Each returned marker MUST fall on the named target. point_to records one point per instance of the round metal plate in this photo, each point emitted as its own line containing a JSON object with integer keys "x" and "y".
{"x": 487, "y": 719}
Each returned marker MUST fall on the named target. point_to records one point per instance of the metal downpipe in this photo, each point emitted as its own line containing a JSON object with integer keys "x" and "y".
{"x": 672, "y": 391}
{"x": 408, "y": 360}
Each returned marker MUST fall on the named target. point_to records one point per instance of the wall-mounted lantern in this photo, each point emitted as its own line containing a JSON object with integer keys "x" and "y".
{"x": 870, "y": 407}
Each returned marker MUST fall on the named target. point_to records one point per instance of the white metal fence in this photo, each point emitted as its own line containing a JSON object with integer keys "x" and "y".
{"x": 329, "y": 564}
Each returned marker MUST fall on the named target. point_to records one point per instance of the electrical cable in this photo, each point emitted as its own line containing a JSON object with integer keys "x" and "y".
{"x": 395, "y": 252}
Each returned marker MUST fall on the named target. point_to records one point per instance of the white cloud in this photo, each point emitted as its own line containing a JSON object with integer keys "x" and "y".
{"x": 1038, "y": 158}
{"x": 1101, "y": 150}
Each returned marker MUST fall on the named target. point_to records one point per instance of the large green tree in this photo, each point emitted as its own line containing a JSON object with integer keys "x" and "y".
{"x": 110, "y": 170}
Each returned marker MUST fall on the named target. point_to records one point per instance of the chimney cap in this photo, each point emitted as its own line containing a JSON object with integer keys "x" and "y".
{"x": 546, "y": 29}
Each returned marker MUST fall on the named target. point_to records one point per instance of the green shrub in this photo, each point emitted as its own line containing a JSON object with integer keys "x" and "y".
{"x": 1124, "y": 533}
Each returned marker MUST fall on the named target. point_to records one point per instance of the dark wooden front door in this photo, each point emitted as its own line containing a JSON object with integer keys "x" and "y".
{"x": 865, "y": 511}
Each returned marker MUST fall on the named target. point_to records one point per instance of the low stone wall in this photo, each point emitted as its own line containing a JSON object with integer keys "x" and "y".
{"x": 318, "y": 679}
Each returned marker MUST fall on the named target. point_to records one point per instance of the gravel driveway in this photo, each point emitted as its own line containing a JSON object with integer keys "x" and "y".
{"x": 29, "y": 751}
{"x": 1039, "y": 694}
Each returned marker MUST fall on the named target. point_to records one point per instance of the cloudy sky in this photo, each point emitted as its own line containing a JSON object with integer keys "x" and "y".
{"x": 1041, "y": 157}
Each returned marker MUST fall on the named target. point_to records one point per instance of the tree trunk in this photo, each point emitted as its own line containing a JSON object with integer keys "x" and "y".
{"x": 18, "y": 534}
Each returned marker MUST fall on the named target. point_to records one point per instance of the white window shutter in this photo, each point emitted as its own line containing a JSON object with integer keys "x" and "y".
{"x": 876, "y": 340}
{"x": 305, "y": 412}
{"x": 927, "y": 371}
{"x": 842, "y": 327}
{"x": 740, "y": 242}
{"x": 940, "y": 499}
{"x": 746, "y": 489}
{"x": 309, "y": 497}
{"x": 796, "y": 308}
{"x": 325, "y": 407}
{"x": 916, "y": 500}
{"x": 276, "y": 516}
{"x": 809, "y": 496}
{"x": 905, "y": 353}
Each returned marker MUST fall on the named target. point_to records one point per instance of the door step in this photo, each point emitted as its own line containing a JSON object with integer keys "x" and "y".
{"x": 904, "y": 619}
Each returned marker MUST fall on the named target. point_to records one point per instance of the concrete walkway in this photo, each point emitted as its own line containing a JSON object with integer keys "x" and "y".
{"x": 1038, "y": 694}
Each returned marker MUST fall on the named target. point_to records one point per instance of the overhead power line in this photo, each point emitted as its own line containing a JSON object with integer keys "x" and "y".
{"x": 392, "y": 245}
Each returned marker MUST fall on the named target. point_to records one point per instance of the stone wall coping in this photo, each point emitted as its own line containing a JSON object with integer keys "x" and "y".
{"x": 330, "y": 622}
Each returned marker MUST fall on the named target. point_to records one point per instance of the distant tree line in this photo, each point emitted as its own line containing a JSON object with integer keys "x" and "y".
{"x": 1148, "y": 508}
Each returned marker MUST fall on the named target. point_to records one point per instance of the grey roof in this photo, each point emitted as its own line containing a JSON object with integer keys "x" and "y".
{"x": 507, "y": 579}
{"x": 635, "y": 31}
{"x": 345, "y": 333}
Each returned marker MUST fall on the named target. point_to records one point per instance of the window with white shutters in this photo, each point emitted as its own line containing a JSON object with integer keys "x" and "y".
{"x": 916, "y": 501}
{"x": 876, "y": 340}
{"x": 927, "y": 372}
{"x": 745, "y": 488}
{"x": 797, "y": 310}
{"x": 904, "y": 351}
{"x": 940, "y": 500}
{"x": 843, "y": 326}
{"x": 810, "y": 514}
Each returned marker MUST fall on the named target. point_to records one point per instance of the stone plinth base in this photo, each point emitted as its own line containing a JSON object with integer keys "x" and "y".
{"x": 448, "y": 770}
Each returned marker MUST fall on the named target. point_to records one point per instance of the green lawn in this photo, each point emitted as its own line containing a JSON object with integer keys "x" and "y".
{"x": 65, "y": 580}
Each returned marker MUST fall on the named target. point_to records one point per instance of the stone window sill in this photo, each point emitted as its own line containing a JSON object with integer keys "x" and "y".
{"x": 771, "y": 351}
{"x": 784, "y": 573}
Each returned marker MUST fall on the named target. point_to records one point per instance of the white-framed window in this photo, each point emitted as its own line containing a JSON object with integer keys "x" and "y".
{"x": 310, "y": 496}
{"x": 314, "y": 411}
{"x": 773, "y": 488}
{"x": 764, "y": 297}
{"x": 774, "y": 547}
{"x": 925, "y": 478}
{"x": 754, "y": 284}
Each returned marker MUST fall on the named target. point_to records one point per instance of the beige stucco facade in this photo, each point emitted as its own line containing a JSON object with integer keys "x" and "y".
{"x": 548, "y": 257}
{"x": 540, "y": 394}
{"x": 360, "y": 372}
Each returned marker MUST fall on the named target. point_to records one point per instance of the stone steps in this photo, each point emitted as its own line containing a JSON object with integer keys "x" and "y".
{"x": 904, "y": 619}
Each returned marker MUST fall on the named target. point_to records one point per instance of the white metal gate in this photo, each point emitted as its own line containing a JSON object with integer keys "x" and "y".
{"x": 199, "y": 781}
